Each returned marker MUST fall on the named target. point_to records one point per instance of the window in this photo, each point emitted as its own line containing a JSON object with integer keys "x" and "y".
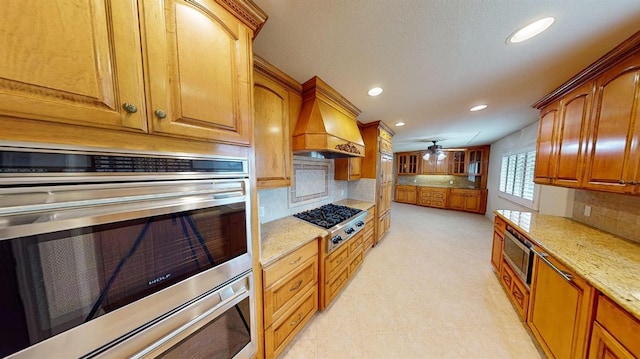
{"x": 516, "y": 178}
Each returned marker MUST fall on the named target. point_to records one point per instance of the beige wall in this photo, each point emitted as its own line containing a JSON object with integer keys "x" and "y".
{"x": 613, "y": 213}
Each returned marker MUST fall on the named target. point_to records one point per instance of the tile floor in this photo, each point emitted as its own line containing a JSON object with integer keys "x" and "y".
{"x": 426, "y": 291}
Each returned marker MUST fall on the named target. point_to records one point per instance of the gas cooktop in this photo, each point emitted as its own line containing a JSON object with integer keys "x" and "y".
{"x": 328, "y": 215}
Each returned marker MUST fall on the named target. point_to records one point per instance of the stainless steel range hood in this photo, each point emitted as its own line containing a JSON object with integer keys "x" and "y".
{"x": 327, "y": 124}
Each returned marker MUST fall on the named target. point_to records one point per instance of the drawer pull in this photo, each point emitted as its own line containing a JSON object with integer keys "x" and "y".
{"x": 295, "y": 287}
{"x": 296, "y": 322}
{"x": 295, "y": 261}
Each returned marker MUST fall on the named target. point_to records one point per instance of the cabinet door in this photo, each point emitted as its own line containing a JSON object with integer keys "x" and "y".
{"x": 572, "y": 130}
{"x": 74, "y": 62}
{"x": 496, "y": 250}
{"x": 612, "y": 156}
{"x": 458, "y": 162}
{"x": 474, "y": 164}
{"x": 411, "y": 196}
{"x": 273, "y": 144}
{"x": 561, "y": 310}
{"x": 472, "y": 202}
{"x": 401, "y": 195}
{"x": 199, "y": 68}
{"x": 456, "y": 201}
{"x": 403, "y": 167}
{"x": 544, "y": 147}
{"x": 605, "y": 346}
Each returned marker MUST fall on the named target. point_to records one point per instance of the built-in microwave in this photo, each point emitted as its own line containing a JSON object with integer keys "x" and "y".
{"x": 517, "y": 251}
{"x": 111, "y": 254}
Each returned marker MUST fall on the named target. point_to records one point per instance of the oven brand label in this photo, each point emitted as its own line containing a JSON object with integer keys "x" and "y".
{"x": 160, "y": 279}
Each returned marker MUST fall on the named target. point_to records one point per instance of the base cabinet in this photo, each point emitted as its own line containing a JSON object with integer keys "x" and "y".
{"x": 290, "y": 290}
{"x": 406, "y": 194}
{"x": 468, "y": 200}
{"x": 384, "y": 223}
{"x": 561, "y": 310}
{"x": 339, "y": 267}
{"x": 433, "y": 197}
{"x": 369, "y": 230}
{"x": 615, "y": 332}
{"x": 499, "y": 226}
{"x": 516, "y": 290}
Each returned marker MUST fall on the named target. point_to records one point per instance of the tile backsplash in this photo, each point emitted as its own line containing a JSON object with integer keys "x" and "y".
{"x": 441, "y": 180}
{"x": 312, "y": 186}
{"x": 614, "y": 213}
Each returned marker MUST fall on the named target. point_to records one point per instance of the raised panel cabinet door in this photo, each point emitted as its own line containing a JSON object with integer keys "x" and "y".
{"x": 75, "y": 62}
{"x": 456, "y": 201}
{"x": 496, "y": 251}
{"x": 572, "y": 131}
{"x": 561, "y": 309}
{"x": 545, "y": 165}
{"x": 604, "y": 346}
{"x": 472, "y": 202}
{"x": 612, "y": 157}
{"x": 199, "y": 67}
{"x": 401, "y": 195}
{"x": 271, "y": 127}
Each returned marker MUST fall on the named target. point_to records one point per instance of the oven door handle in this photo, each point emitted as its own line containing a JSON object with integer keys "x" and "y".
{"x": 183, "y": 331}
{"x": 567, "y": 276}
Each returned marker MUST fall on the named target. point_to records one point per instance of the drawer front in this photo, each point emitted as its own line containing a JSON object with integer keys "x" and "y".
{"x": 425, "y": 193}
{"x": 355, "y": 263}
{"x": 283, "y": 331}
{"x": 520, "y": 297}
{"x": 424, "y": 201}
{"x": 356, "y": 242}
{"x": 500, "y": 224}
{"x": 439, "y": 195}
{"x": 335, "y": 261}
{"x": 438, "y": 203}
{"x": 334, "y": 287}
{"x": 281, "y": 295}
{"x": 280, "y": 268}
{"x": 624, "y": 327}
{"x": 506, "y": 276}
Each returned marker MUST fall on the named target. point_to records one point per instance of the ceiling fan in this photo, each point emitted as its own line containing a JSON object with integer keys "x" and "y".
{"x": 435, "y": 150}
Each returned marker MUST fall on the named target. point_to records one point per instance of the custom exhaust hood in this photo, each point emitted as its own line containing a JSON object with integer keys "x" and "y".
{"x": 327, "y": 124}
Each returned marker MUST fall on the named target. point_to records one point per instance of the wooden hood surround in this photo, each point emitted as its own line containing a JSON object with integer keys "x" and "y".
{"x": 327, "y": 123}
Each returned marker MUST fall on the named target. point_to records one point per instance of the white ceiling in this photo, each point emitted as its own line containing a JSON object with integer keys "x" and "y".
{"x": 437, "y": 58}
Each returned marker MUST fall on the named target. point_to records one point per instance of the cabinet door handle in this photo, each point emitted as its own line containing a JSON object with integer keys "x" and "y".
{"x": 129, "y": 107}
{"x": 295, "y": 261}
{"x": 160, "y": 114}
{"x": 567, "y": 276}
{"x": 622, "y": 182}
{"x": 295, "y": 287}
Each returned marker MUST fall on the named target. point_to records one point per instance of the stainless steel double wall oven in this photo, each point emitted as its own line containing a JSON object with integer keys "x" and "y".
{"x": 111, "y": 254}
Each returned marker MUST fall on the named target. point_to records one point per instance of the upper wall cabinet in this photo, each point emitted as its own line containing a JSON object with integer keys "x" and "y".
{"x": 72, "y": 62}
{"x": 589, "y": 131}
{"x": 277, "y": 100}
{"x": 82, "y": 63}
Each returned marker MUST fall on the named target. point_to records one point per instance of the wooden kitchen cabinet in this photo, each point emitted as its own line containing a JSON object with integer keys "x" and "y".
{"x": 433, "y": 165}
{"x": 76, "y": 63}
{"x": 615, "y": 332}
{"x": 433, "y": 196}
{"x": 378, "y": 164}
{"x": 499, "y": 226}
{"x": 175, "y": 68}
{"x": 516, "y": 290}
{"x": 545, "y": 157}
{"x": 348, "y": 169}
{"x": 369, "y": 230}
{"x": 589, "y": 130}
{"x": 277, "y": 100}
{"x": 408, "y": 163}
{"x": 468, "y": 200}
{"x": 458, "y": 162}
{"x": 406, "y": 194}
{"x": 290, "y": 291}
{"x": 561, "y": 309}
{"x": 340, "y": 266}
{"x": 613, "y": 160}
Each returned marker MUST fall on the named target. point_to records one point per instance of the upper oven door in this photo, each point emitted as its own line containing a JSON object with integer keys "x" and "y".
{"x": 76, "y": 260}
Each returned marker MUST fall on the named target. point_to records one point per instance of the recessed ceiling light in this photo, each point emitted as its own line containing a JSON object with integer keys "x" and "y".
{"x": 375, "y": 91}
{"x": 530, "y": 30}
{"x": 400, "y": 124}
{"x": 478, "y": 108}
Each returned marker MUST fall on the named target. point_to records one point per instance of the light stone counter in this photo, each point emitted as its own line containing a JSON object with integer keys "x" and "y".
{"x": 611, "y": 264}
{"x": 285, "y": 235}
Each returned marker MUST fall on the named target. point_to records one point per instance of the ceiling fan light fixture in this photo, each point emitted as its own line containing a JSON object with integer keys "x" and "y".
{"x": 478, "y": 108}
{"x": 531, "y": 30}
{"x": 375, "y": 91}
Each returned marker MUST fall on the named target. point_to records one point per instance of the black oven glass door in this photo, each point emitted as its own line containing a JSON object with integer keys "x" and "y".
{"x": 52, "y": 282}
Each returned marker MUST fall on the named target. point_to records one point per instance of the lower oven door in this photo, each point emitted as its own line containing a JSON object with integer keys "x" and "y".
{"x": 82, "y": 266}
{"x": 219, "y": 324}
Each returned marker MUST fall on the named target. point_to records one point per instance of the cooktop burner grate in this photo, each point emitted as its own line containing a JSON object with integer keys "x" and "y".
{"x": 328, "y": 215}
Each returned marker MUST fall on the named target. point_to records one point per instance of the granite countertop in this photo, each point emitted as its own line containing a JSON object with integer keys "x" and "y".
{"x": 285, "y": 235}
{"x": 608, "y": 262}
